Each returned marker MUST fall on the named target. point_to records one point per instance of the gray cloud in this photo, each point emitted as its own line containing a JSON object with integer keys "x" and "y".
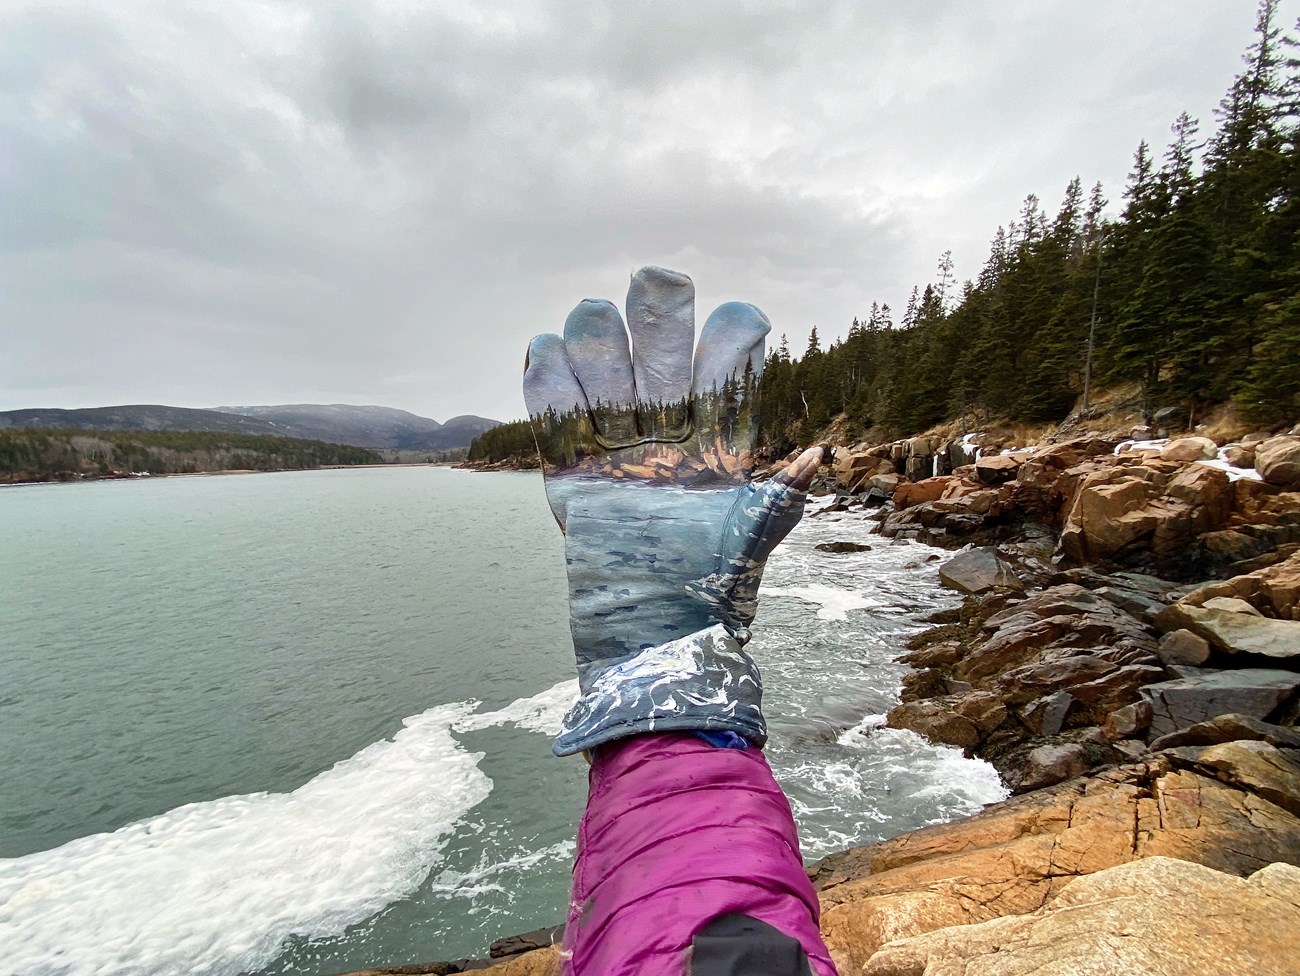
{"x": 378, "y": 202}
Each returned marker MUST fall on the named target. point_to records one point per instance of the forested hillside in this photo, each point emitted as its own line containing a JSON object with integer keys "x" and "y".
{"x": 506, "y": 441}
{"x": 1191, "y": 292}
{"x": 36, "y": 454}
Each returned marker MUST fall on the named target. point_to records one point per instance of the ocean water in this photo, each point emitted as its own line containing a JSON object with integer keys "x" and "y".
{"x": 299, "y": 723}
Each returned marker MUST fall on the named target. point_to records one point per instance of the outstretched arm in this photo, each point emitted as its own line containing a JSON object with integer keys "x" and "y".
{"x": 688, "y": 854}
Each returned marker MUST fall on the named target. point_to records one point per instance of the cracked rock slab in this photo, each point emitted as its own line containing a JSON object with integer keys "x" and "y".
{"x": 1253, "y": 692}
{"x": 1157, "y": 915}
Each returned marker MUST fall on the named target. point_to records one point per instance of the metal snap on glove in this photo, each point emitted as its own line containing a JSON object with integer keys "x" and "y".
{"x": 647, "y": 452}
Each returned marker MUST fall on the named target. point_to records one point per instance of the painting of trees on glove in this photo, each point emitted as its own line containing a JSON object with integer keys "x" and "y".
{"x": 646, "y": 439}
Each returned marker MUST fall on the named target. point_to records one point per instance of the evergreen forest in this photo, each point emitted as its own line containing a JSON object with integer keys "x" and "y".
{"x": 1192, "y": 292}
{"x": 1189, "y": 293}
{"x": 43, "y": 454}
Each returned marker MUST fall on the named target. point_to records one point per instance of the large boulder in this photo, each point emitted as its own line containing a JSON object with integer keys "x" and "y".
{"x": 1183, "y": 702}
{"x": 849, "y": 467}
{"x": 1278, "y": 461}
{"x": 1107, "y": 515}
{"x": 1159, "y": 915}
{"x": 1053, "y": 763}
{"x": 1183, "y": 647}
{"x": 1061, "y": 669}
{"x": 1127, "y": 722}
{"x": 883, "y": 484}
{"x": 1045, "y": 465}
{"x": 1189, "y": 449}
{"x": 1229, "y": 728}
{"x": 978, "y": 571}
{"x": 1257, "y": 766}
{"x": 996, "y": 469}
{"x": 1064, "y": 614}
{"x": 1273, "y": 590}
{"x": 921, "y": 491}
{"x": 1018, "y": 855}
{"x": 1156, "y": 506}
{"x": 937, "y": 721}
{"x": 852, "y": 470}
{"x": 1239, "y": 455}
{"x": 1235, "y": 632}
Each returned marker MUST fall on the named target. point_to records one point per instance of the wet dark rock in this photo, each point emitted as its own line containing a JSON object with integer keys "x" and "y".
{"x": 984, "y": 710}
{"x": 1116, "y": 688}
{"x": 842, "y": 546}
{"x": 1061, "y": 670}
{"x": 933, "y": 655}
{"x": 1048, "y": 714}
{"x": 527, "y": 942}
{"x": 1229, "y": 728}
{"x": 1051, "y": 764}
{"x": 1183, "y": 702}
{"x": 935, "y": 720}
{"x": 996, "y": 469}
{"x": 978, "y": 571}
{"x": 1133, "y": 601}
{"x": 925, "y": 683}
{"x": 1009, "y": 647}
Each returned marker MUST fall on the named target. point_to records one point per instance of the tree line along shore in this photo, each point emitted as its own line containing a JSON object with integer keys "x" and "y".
{"x": 31, "y": 454}
{"x": 1190, "y": 297}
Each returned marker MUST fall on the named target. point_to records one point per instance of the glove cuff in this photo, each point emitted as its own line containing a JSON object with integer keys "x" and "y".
{"x": 703, "y": 681}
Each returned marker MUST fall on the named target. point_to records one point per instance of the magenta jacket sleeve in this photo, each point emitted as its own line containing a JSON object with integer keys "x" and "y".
{"x": 678, "y": 833}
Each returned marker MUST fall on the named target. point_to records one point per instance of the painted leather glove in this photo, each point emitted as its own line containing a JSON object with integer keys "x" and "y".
{"x": 647, "y": 455}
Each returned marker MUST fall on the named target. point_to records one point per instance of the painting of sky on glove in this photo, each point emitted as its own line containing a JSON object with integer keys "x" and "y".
{"x": 647, "y": 440}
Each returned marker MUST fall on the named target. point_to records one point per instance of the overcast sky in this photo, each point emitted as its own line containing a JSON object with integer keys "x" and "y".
{"x": 381, "y": 202}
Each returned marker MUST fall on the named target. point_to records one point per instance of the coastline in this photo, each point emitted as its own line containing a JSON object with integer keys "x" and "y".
{"x": 227, "y": 471}
{"x": 1149, "y": 746}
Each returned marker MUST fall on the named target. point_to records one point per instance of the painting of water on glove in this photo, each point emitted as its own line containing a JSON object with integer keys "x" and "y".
{"x": 647, "y": 439}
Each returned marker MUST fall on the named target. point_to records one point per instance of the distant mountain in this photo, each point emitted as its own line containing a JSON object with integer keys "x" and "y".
{"x": 459, "y": 431}
{"x": 141, "y": 416}
{"x": 377, "y": 428}
{"x": 343, "y": 423}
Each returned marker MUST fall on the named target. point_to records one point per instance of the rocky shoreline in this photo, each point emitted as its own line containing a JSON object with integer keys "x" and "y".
{"x": 1128, "y": 658}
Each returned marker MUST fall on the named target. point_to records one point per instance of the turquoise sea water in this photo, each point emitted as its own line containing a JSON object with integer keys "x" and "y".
{"x": 298, "y": 723}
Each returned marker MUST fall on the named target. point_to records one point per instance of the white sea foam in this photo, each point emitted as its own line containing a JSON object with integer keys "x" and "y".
{"x": 215, "y": 887}
{"x": 833, "y": 602}
{"x": 959, "y": 786}
{"x": 486, "y": 876}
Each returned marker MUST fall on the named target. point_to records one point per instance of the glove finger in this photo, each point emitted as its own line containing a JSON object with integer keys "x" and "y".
{"x": 725, "y": 388}
{"x": 661, "y": 319}
{"x": 596, "y": 342}
{"x": 762, "y": 516}
{"x": 558, "y": 411}
{"x": 761, "y": 521}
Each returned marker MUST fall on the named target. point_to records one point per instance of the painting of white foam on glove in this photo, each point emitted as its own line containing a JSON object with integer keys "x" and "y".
{"x": 646, "y": 440}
